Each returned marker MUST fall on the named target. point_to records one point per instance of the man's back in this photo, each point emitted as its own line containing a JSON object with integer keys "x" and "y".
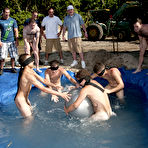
{"x": 99, "y": 98}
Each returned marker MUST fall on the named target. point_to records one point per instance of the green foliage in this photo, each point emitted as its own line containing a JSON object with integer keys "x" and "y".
{"x": 21, "y": 9}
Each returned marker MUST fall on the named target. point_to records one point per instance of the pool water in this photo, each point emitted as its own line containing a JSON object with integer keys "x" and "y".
{"x": 51, "y": 128}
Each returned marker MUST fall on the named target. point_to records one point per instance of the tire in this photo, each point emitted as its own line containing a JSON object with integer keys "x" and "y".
{"x": 95, "y": 32}
{"x": 121, "y": 36}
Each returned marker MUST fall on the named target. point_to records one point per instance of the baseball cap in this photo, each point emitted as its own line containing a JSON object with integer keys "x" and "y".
{"x": 70, "y": 7}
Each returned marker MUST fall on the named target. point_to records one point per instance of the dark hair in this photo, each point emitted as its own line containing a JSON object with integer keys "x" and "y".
{"x": 137, "y": 20}
{"x": 5, "y": 9}
{"x": 22, "y": 58}
{"x": 82, "y": 74}
{"x": 98, "y": 67}
{"x": 32, "y": 21}
{"x": 34, "y": 11}
{"x": 54, "y": 63}
{"x": 50, "y": 8}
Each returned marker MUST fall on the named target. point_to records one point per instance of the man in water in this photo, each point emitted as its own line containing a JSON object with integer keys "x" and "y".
{"x": 31, "y": 35}
{"x": 27, "y": 78}
{"x": 95, "y": 92}
{"x": 142, "y": 31}
{"x": 54, "y": 73}
{"x": 113, "y": 76}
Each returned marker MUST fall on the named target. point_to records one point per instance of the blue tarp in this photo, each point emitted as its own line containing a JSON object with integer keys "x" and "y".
{"x": 8, "y": 83}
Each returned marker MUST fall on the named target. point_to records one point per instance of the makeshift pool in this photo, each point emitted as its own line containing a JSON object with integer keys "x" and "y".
{"x": 51, "y": 128}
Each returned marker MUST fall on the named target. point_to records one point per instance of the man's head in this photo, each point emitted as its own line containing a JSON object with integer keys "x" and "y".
{"x": 6, "y": 13}
{"x": 25, "y": 59}
{"x": 34, "y": 15}
{"x": 99, "y": 69}
{"x": 54, "y": 65}
{"x": 70, "y": 10}
{"x": 50, "y": 12}
{"x": 137, "y": 25}
{"x": 32, "y": 23}
{"x": 83, "y": 74}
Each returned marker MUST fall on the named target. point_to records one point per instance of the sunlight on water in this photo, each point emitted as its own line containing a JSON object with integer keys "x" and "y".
{"x": 51, "y": 128}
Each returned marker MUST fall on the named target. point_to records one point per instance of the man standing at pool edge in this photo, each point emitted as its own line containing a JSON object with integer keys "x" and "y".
{"x": 8, "y": 28}
{"x": 73, "y": 23}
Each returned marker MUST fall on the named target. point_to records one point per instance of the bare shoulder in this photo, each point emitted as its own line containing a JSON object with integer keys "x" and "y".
{"x": 114, "y": 71}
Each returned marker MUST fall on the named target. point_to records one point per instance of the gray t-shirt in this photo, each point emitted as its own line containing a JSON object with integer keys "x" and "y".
{"x": 73, "y": 24}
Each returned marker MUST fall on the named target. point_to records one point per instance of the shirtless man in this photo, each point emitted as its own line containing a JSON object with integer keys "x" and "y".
{"x": 113, "y": 76}
{"x": 31, "y": 35}
{"x": 54, "y": 73}
{"x": 27, "y": 78}
{"x": 142, "y": 31}
{"x": 95, "y": 92}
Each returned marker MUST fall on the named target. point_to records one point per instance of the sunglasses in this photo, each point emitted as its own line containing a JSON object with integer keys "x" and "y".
{"x": 101, "y": 73}
{"x": 54, "y": 68}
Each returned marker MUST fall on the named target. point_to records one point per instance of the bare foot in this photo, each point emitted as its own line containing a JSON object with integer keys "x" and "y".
{"x": 137, "y": 70}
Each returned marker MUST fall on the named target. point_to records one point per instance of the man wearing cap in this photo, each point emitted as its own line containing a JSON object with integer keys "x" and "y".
{"x": 73, "y": 23}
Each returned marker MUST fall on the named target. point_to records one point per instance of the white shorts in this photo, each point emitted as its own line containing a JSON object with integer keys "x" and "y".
{"x": 8, "y": 47}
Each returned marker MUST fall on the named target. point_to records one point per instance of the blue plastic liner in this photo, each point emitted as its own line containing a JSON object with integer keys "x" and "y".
{"x": 8, "y": 82}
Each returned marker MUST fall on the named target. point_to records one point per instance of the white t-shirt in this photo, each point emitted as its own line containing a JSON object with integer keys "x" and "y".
{"x": 51, "y": 26}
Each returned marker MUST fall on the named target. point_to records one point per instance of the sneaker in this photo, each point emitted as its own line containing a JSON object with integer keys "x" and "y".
{"x": 74, "y": 63}
{"x": 13, "y": 70}
{"x": 61, "y": 61}
{"x": 83, "y": 64}
{"x": 17, "y": 63}
{"x": 1, "y": 71}
{"x": 46, "y": 63}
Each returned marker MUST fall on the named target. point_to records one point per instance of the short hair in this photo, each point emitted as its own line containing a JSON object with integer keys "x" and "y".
{"x": 50, "y": 8}
{"x": 54, "y": 63}
{"x": 34, "y": 11}
{"x": 82, "y": 74}
{"x": 98, "y": 67}
{"x": 5, "y": 9}
{"x": 32, "y": 21}
{"x": 137, "y": 20}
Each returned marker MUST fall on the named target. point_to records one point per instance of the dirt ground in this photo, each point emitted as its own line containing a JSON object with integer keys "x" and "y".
{"x": 123, "y": 54}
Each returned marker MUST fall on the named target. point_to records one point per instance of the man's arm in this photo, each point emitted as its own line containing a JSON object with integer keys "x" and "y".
{"x": 75, "y": 105}
{"x": 85, "y": 32}
{"x": 119, "y": 81}
{"x": 69, "y": 77}
{"x": 61, "y": 28}
{"x": 16, "y": 36}
{"x": 64, "y": 31}
{"x": 42, "y": 32}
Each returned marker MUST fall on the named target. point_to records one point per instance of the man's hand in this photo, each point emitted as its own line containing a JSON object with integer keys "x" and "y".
{"x": 65, "y": 96}
{"x": 1, "y": 44}
{"x": 55, "y": 98}
{"x": 107, "y": 91}
{"x": 65, "y": 109}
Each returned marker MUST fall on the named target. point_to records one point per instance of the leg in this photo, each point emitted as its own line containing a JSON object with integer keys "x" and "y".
{"x": 49, "y": 46}
{"x": 3, "y": 55}
{"x": 13, "y": 54}
{"x": 58, "y": 47}
{"x": 27, "y": 48}
{"x": 71, "y": 47}
{"x": 35, "y": 51}
{"x": 23, "y": 107}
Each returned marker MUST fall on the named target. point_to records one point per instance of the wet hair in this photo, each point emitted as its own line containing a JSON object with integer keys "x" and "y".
{"x": 82, "y": 74}
{"x": 22, "y": 58}
{"x": 98, "y": 67}
{"x": 54, "y": 63}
